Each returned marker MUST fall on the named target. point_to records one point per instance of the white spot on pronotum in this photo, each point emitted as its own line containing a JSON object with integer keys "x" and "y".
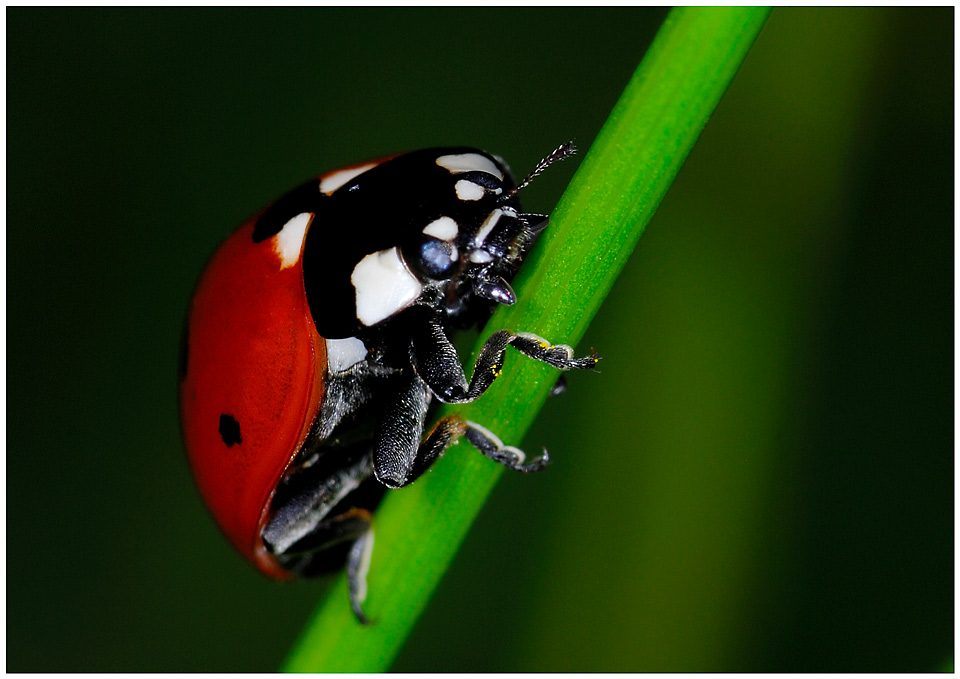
{"x": 334, "y": 181}
{"x": 383, "y": 285}
{"x": 467, "y": 190}
{"x": 443, "y": 228}
{"x": 343, "y": 354}
{"x": 469, "y": 162}
{"x": 289, "y": 240}
{"x": 487, "y": 226}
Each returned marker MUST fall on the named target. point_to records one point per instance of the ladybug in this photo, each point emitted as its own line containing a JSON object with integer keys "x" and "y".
{"x": 318, "y": 337}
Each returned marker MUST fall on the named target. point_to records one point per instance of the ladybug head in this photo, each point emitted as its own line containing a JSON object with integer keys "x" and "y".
{"x": 467, "y": 256}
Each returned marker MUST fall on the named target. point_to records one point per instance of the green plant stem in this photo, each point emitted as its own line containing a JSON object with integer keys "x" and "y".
{"x": 593, "y": 230}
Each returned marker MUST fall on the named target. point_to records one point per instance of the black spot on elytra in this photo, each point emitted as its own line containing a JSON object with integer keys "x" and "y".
{"x": 229, "y": 430}
{"x": 304, "y": 198}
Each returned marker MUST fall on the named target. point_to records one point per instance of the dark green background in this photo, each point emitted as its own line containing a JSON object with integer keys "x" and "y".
{"x": 761, "y": 478}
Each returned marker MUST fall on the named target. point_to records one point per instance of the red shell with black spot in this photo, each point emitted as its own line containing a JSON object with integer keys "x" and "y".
{"x": 253, "y": 384}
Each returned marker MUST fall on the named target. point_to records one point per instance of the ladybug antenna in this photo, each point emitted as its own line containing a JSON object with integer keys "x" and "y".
{"x": 563, "y": 151}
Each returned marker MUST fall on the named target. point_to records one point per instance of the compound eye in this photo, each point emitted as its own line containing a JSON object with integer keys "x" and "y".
{"x": 437, "y": 258}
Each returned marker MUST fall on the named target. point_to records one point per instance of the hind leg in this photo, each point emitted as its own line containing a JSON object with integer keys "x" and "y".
{"x": 321, "y": 517}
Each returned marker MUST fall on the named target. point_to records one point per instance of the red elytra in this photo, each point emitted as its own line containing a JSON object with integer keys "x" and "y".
{"x": 255, "y": 356}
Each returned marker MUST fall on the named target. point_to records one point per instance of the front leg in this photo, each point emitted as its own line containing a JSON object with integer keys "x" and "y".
{"x": 436, "y": 362}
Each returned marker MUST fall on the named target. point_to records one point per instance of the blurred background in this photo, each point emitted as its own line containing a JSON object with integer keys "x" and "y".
{"x": 760, "y": 479}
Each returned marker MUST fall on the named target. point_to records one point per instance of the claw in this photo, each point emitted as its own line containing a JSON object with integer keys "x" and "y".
{"x": 358, "y": 563}
{"x": 535, "y": 466}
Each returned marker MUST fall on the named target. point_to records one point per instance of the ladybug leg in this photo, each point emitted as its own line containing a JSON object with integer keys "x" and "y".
{"x": 449, "y": 429}
{"x": 396, "y": 446}
{"x": 399, "y": 456}
{"x": 309, "y": 528}
{"x": 490, "y": 445}
{"x": 301, "y": 520}
{"x": 354, "y": 525}
{"x": 358, "y": 565}
{"x": 436, "y": 362}
{"x": 559, "y": 356}
{"x": 306, "y": 555}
